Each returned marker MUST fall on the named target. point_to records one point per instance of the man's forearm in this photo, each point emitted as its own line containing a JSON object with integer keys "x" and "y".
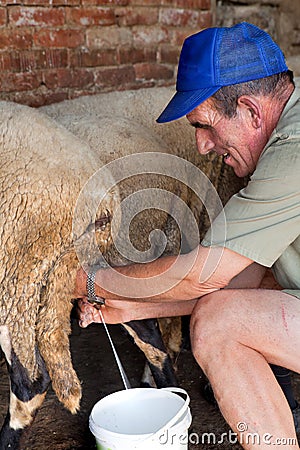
{"x": 155, "y": 281}
{"x": 169, "y": 278}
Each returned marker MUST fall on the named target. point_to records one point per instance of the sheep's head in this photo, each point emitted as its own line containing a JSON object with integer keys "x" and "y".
{"x": 102, "y": 227}
{"x": 96, "y": 218}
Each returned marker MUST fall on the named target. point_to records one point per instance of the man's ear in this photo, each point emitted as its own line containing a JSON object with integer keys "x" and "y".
{"x": 251, "y": 107}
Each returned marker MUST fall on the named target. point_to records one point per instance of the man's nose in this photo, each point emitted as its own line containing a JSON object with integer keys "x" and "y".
{"x": 204, "y": 142}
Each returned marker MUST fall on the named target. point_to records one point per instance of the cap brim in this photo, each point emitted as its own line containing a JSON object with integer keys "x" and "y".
{"x": 184, "y": 102}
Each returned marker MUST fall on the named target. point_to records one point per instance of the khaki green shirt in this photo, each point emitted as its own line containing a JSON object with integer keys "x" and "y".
{"x": 263, "y": 219}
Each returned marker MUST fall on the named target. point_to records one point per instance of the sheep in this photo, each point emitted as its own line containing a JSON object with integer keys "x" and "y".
{"x": 117, "y": 124}
{"x": 43, "y": 169}
{"x": 47, "y": 157}
{"x": 39, "y": 187}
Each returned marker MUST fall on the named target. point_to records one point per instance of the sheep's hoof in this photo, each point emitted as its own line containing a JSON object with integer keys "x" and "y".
{"x": 72, "y": 403}
{"x": 69, "y": 394}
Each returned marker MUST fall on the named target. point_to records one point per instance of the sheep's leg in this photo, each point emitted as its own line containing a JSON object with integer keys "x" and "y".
{"x": 53, "y": 329}
{"x": 147, "y": 336}
{"x": 26, "y": 395}
{"x": 64, "y": 380}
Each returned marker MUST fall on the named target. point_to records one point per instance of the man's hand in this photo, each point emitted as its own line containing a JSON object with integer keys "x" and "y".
{"x": 87, "y": 313}
{"x": 121, "y": 311}
{"x": 114, "y": 311}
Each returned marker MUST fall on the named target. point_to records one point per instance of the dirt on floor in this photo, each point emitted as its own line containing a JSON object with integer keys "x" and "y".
{"x": 55, "y": 428}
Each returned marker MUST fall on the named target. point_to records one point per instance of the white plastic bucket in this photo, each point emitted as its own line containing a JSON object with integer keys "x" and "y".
{"x": 142, "y": 419}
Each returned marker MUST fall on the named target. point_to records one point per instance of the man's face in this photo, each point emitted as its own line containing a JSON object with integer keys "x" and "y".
{"x": 236, "y": 139}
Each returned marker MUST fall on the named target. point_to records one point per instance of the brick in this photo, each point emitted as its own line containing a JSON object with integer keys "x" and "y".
{"x": 91, "y": 16}
{"x": 105, "y": 2}
{"x": 149, "y": 36}
{"x": 45, "y": 3}
{"x": 114, "y": 77}
{"x": 21, "y": 81}
{"x": 160, "y": 3}
{"x": 48, "y": 58}
{"x": 15, "y": 39}
{"x": 151, "y": 2}
{"x": 169, "y": 54}
{"x": 68, "y": 78}
{"x": 134, "y": 55}
{"x": 29, "y": 60}
{"x": 178, "y": 17}
{"x": 59, "y": 38}
{"x": 51, "y": 2}
{"x": 136, "y": 16}
{"x": 52, "y": 97}
{"x": 41, "y": 96}
{"x": 152, "y": 71}
{"x": 206, "y": 4}
{"x": 52, "y": 58}
{"x": 93, "y": 58}
{"x": 7, "y": 62}
{"x": 3, "y": 17}
{"x": 205, "y": 19}
{"x": 26, "y": 16}
{"x": 108, "y": 38}
{"x": 194, "y": 4}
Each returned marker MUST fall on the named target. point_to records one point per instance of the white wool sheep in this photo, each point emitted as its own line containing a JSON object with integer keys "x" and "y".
{"x": 47, "y": 156}
{"x": 122, "y": 123}
{"x": 119, "y": 124}
{"x": 43, "y": 168}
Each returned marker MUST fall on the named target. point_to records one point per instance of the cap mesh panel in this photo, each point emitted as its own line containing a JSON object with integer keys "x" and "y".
{"x": 263, "y": 58}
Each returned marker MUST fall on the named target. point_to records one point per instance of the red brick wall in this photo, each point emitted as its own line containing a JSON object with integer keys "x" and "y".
{"x": 57, "y": 49}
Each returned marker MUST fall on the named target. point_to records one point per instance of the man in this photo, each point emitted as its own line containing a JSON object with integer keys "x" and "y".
{"x": 236, "y": 91}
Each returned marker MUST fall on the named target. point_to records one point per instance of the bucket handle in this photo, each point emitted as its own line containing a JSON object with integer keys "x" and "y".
{"x": 177, "y": 416}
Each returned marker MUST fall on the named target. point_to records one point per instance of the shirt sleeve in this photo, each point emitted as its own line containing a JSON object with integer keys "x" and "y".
{"x": 263, "y": 219}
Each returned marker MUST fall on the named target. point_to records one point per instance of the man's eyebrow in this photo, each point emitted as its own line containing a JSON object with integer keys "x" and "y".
{"x": 199, "y": 125}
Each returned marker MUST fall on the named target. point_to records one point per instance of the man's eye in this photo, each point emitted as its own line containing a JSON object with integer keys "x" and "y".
{"x": 201, "y": 125}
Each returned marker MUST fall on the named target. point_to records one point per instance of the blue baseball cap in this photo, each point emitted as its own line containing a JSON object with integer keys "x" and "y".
{"x": 217, "y": 57}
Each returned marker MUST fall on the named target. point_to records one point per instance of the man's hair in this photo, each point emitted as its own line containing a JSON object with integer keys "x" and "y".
{"x": 225, "y": 99}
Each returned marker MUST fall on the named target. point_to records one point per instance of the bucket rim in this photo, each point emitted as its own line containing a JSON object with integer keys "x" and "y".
{"x": 139, "y": 438}
{"x": 183, "y": 413}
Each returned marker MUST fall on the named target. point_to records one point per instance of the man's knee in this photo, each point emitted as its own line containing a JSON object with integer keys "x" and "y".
{"x": 212, "y": 321}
